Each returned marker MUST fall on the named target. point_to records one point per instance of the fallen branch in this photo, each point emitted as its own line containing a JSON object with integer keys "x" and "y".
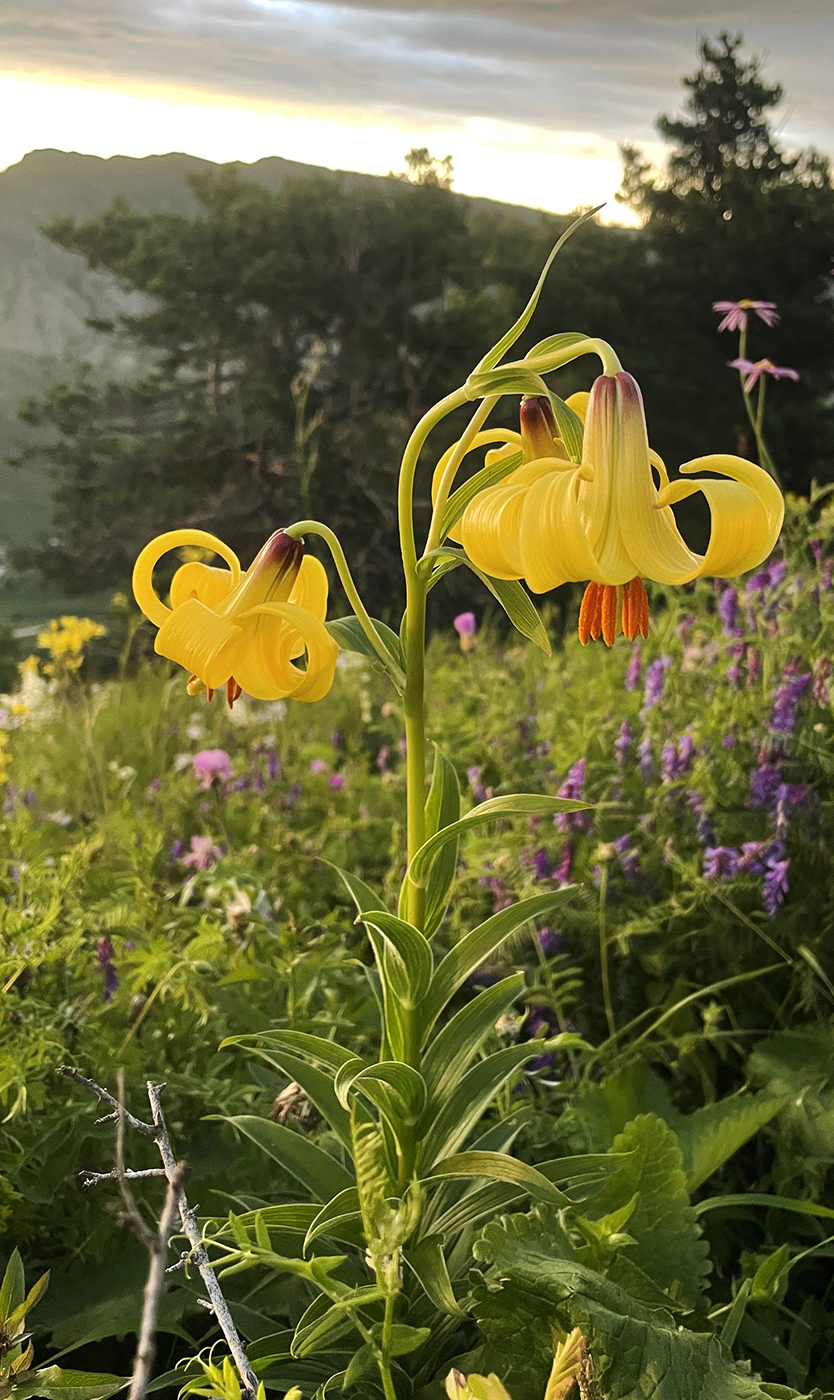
{"x": 157, "y": 1241}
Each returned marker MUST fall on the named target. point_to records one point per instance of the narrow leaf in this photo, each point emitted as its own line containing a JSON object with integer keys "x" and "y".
{"x": 571, "y": 427}
{"x": 499, "y": 1168}
{"x": 428, "y": 1263}
{"x": 457, "y": 1044}
{"x": 337, "y": 1218}
{"x": 481, "y": 943}
{"x": 407, "y": 963}
{"x": 350, "y": 636}
{"x": 509, "y": 339}
{"x": 13, "y": 1288}
{"x": 442, "y": 809}
{"x": 464, "y": 1107}
{"x": 523, "y": 804}
{"x": 314, "y": 1047}
{"x": 315, "y": 1169}
{"x": 361, "y": 894}
{"x": 52, "y": 1383}
{"x": 506, "y": 379}
{"x": 317, "y": 1085}
{"x": 760, "y": 1198}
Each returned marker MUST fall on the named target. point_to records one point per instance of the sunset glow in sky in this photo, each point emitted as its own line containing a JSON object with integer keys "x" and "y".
{"x": 530, "y": 98}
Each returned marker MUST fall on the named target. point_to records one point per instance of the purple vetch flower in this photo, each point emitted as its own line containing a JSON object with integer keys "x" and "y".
{"x": 727, "y": 608}
{"x": 203, "y": 854}
{"x": 464, "y": 624}
{"x": 827, "y": 570}
{"x": 775, "y": 883}
{"x": 729, "y": 741}
{"x": 572, "y": 788}
{"x": 541, "y": 864}
{"x": 703, "y": 822}
{"x": 788, "y": 797}
{"x": 562, "y": 873}
{"x": 753, "y": 857}
{"x": 753, "y": 657}
{"x": 633, "y": 672}
{"x": 822, "y": 675}
{"x": 382, "y": 758}
{"x": 211, "y": 765}
{"x": 683, "y": 629}
{"x": 655, "y": 680}
{"x": 676, "y": 759}
{"x": 336, "y": 781}
{"x": 786, "y": 701}
{"x": 177, "y": 848}
{"x": 154, "y": 785}
{"x": 335, "y": 739}
{"x": 318, "y": 765}
{"x": 628, "y": 857}
{"x": 474, "y": 776}
{"x": 623, "y": 743}
{"x": 106, "y": 958}
{"x": 815, "y": 547}
{"x": 551, "y": 941}
{"x": 645, "y": 760}
{"x": 720, "y": 862}
{"x": 764, "y": 781}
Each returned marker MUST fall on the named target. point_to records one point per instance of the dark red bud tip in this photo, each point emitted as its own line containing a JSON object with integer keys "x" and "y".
{"x": 281, "y": 552}
{"x": 536, "y": 413}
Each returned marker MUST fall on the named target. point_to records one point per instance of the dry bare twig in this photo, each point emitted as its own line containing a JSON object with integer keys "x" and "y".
{"x": 157, "y": 1241}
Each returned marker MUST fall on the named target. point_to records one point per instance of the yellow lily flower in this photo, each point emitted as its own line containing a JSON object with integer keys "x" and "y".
{"x": 606, "y": 521}
{"x": 242, "y": 629}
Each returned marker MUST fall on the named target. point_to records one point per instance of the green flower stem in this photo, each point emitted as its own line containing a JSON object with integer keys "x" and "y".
{"x": 545, "y": 363}
{"x": 385, "y": 1359}
{"x": 315, "y": 527}
{"x": 415, "y": 645}
{"x": 756, "y": 418}
{"x": 447, "y": 480}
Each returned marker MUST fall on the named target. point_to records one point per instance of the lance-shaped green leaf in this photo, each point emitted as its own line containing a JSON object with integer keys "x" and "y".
{"x": 362, "y": 895}
{"x": 457, "y": 1044}
{"x": 350, "y": 636}
{"x": 514, "y": 599}
{"x": 511, "y": 336}
{"x": 315, "y": 1169}
{"x": 405, "y": 959}
{"x": 397, "y": 1090}
{"x": 13, "y": 1288}
{"x": 313, "y": 1047}
{"x": 53, "y": 1383}
{"x": 554, "y": 345}
{"x": 442, "y": 809}
{"x": 506, "y": 379}
{"x": 428, "y": 1263}
{"x": 481, "y": 943}
{"x": 498, "y": 1167}
{"x": 518, "y": 804}
{"x": 340, "y": 1218}
{"x": 463, "y": 1108}
{"x": 324, "y": 1322}
{"x": 761, "y": 1198}
{"x": 571, "y": 427}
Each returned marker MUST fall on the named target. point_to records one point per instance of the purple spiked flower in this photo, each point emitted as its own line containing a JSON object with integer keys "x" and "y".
{"x": 775, "y": 884}
{"x": 623, "y": 743}
{"x": 645, "y": 761}
{"x": 655, "y": 679}
{"x": 633, "y": 672}
{"x": 728, "y": 611}
{"x": 720, "y": 862}
{"x": 572, "y": 788}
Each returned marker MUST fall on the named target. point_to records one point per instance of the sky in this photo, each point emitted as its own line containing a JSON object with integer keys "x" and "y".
{"x": 530, "y": 97}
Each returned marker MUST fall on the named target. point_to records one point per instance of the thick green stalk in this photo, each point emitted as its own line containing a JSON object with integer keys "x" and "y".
{"x": 415, "y": 644}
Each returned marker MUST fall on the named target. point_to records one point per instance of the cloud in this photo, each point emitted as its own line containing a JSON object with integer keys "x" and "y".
{"x": 555, "y": 65}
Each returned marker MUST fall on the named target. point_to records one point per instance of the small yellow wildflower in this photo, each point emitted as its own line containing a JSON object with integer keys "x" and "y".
{"x": 65, "y": 640}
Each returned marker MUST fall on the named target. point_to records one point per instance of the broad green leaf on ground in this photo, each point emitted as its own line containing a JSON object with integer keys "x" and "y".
{"x": 639, "y": 1353}
{"x": 708, "y": 1137}
{"x": 668, "y": 1245}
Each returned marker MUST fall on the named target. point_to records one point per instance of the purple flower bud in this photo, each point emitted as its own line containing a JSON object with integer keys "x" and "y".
{"x": 645, "y": 761}
{"x": 815, "y": 547}
{"x": 728, "y": 611}
{"x": 623, "y": 743}
{"x": 541, "y": 864}
{"x": 572, "y": 788}
{"x": 704, "y": 828}
{"x": 551, "y": 942}
{"x": 774, "y": 885}
{"x": 336, "y": 781}
{"x": 655, "y": 679}
{"x": 676, "y": 759}
{"x": 764, "y": 782}
{"x": 633, "y": 672}
{"x": 786, "y": 702}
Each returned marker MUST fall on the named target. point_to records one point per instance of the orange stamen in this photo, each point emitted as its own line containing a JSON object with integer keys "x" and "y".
{"x": 590, "y": 613}
{"x": 607, "y": 610}
{"x": 233, "y": 692}
{"x": 609, "y": 614}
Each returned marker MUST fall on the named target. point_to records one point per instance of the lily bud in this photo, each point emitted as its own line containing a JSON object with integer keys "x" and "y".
{"x": 539, "y": 432}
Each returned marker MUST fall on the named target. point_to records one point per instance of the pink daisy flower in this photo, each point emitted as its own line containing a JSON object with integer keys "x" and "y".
{"x": 754, "y": 371}
{"x": 735, "y": 318}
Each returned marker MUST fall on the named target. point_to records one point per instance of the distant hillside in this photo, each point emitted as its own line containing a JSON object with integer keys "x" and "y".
{"x": 46, "y": 294}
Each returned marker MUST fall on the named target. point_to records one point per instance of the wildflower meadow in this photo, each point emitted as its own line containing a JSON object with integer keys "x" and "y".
{"x": 399, "y": 1009}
